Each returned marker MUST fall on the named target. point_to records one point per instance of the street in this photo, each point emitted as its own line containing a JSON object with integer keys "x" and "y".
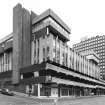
{"x": 19, "y": 100}
{"x": 16, "y": 100}
{"x": 85, "y": 101}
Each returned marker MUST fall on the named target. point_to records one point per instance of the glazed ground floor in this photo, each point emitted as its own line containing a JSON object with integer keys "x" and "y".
{"x": 62, "y": 90}
{"x": 53, "y": 89}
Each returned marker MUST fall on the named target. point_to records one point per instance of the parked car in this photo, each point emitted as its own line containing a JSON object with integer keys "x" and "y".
{"x": 7, "y": 92}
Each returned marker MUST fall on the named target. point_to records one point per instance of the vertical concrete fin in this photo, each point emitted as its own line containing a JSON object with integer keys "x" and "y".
{"x": 21, "y": 40}
{"x": 17, "y": 35}
{"x": 26, "y": 42}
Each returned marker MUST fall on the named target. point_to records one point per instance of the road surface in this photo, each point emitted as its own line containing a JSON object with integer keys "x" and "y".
{"x": 84, "y": 101}
{"x": 16, "y": 100}
{"x": 19, "y": 100}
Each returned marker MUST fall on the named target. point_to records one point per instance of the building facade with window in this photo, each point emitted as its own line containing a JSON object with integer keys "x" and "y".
{"x": 36, "y": 56}
{"x": 97, "y": 44}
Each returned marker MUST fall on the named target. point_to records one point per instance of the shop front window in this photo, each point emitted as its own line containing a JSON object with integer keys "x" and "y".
{"x": 64, "y": 92}
{"x": 45, "y": 91}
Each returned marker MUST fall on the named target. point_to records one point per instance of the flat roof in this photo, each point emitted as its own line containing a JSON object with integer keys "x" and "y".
{"x": 47, "y": 13}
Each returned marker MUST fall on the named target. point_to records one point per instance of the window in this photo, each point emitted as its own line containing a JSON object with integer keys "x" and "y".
{"x": 48, "y": 49}
{"x": 43, "y": 54}
{"x": 58, "y": 50}
{"x": 54, "y": 48}
{"x": 63, "y": 53}
{"x": 6, "y": 61}
{"x": 2, "y": 63}
{"x": 34, "y": 51}
{"x": 64, "y": 92}
{"x": 38, "y": 52}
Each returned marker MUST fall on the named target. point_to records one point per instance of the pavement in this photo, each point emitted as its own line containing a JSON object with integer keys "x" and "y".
{"x": 16, "y": 100}
{"x": 100, "y": 100}
{"x": 59, "y": 100}
{"x": 23, "y": 99}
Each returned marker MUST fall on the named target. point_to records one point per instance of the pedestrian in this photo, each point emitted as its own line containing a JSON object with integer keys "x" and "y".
{"x": 29, "y": 91}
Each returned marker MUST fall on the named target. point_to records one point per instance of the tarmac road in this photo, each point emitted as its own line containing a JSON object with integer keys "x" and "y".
{"x": 20, "y": 100}
{"x": 16, "y": 100}
{"x": 85, "y": 101}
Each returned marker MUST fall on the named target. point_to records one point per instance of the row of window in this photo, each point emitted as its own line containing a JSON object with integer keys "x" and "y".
{"x": 96, "y": 47}
{"x": 6, "y": 62}
{"x": 86, "y": 44}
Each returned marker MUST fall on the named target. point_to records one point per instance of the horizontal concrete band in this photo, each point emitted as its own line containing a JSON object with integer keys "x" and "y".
{"x": 73, "y": 83}
{"x": 58, "y": 69}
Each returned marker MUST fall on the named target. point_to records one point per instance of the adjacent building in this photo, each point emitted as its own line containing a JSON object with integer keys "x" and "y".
{"x": 36, "y": 56}
{"x": 97, "y": 44}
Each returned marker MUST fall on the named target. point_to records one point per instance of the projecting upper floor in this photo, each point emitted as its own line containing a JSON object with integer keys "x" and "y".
{"x": 51, "y": 47}
{"x": 51, "y": 20}
{"x": 6, "y": 43}
{"x": 6, "y": 53}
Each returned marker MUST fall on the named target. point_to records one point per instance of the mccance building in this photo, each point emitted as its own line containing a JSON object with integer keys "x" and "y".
{"x": 36, "y": 56}
{"x": 97, "y": 44}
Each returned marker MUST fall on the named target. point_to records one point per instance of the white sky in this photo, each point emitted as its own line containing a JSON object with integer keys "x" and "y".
{"x": 84, "y": 17}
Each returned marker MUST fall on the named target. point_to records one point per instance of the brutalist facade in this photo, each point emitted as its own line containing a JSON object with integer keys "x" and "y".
{"x": 36, "y": 57}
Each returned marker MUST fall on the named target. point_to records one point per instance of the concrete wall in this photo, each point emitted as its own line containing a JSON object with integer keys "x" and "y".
{"x": 26, "y": 42}
{"x": 21, "y": 40}
{"x": 17, "y": 39}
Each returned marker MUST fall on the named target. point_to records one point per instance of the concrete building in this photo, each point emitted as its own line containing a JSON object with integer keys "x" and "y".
{"x": 36, "y": 57}
{"x": 97, "y": 44}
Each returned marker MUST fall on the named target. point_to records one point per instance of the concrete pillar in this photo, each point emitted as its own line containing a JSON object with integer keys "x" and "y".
{"x": 17, "y": 41}
{"x": 26, "y": 38}
{"x": 68, "y": 92}
{"x": 59, "y": 91}
{"x": 32, "y": 52}
{"x": 40, "y": 50}
{"x": 56, "y": 49}
{"x": 38, "y": 90}
{"x": 60, "y": 52}
{"x": 51, "y": 47}
{"x": 5, "y": 64}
